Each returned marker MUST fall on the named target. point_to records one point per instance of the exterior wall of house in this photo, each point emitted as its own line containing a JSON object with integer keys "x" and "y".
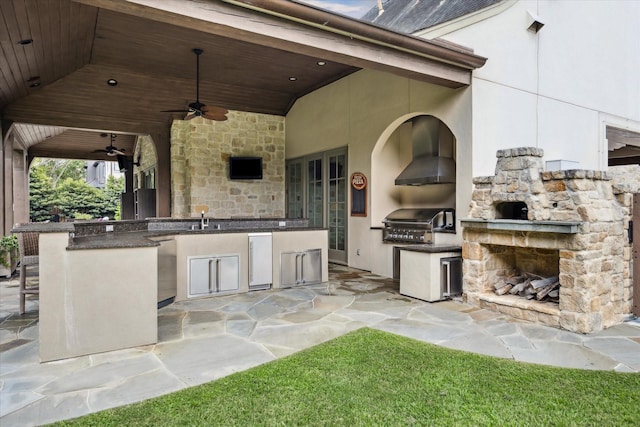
{"x": 556, "y": 89}
{"x": 200, "y": 150}
{"x": 365, "y": 112}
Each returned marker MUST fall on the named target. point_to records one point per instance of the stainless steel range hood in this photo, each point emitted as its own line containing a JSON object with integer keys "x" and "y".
{"x": 432, "y": 144}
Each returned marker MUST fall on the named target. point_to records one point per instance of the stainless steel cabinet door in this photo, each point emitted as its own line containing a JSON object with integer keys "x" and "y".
{"x": 210, "y": 275}
{"x": 200, "y": 276}
{"x": 288, "y": 269}
{"x": 311, "y": 266}
{"x": 300, "y": 268}
{"x": 228, "y": 273}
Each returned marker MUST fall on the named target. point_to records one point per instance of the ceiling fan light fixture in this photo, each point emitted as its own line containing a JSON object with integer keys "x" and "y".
{"x": 112, "y": 82}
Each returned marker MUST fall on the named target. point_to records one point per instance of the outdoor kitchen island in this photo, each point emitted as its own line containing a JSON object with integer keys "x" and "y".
{"x": 99, "y": 281}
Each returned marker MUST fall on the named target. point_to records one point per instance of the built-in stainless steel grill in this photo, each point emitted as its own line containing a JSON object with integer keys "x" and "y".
{"x": 417, "y": 225}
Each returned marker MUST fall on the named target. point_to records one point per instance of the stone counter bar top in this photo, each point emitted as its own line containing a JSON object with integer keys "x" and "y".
{"x": 137, "y": 234}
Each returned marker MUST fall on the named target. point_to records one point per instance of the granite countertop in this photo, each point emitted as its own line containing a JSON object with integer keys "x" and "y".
{"x": 145, "y": 233}
{"x": 44, "y": 227}
{"x": 432, "y": 249}
{"x": 134, "y": 239}
{"x": 140, "y": 239}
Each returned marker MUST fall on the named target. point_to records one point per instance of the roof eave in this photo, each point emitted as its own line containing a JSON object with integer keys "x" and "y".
{"x": 308, "y": 15}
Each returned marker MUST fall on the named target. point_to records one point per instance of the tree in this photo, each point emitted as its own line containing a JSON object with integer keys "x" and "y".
{"x": 77, "y": 197}
{"x": 60, "y": 169}
{"x": 113, "y": 189}
{"x": 41, "y": 194}
{"x": 60, "y": 185}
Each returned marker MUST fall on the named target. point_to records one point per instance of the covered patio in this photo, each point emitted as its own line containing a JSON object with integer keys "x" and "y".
{"x": 82, "y": 68}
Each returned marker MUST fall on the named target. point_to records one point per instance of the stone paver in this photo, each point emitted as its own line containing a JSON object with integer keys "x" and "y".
{"x": 206, "y": 339}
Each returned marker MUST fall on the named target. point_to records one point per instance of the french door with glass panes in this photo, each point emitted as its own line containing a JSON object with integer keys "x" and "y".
{"x": 317, "y": 189}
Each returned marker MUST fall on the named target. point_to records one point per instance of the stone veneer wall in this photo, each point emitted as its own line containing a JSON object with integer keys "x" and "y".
{"x": 625, "y": 183}
{"x": 595, "y": 263}
{"x": 200, "y": 150}
{"x": 146, "y": 152}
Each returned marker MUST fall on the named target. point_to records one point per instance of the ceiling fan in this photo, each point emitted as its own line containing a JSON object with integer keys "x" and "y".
{"x": 197, "y": 108}
{"x": 110, "y": 149}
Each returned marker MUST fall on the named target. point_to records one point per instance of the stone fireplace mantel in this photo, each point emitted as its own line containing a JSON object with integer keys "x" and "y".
{"x": 561, "y": 227}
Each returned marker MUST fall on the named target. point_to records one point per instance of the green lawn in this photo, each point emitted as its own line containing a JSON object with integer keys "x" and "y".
{"x": 373, "y": 378}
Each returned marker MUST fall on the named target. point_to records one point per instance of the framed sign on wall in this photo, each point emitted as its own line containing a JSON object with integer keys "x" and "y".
{"x": 358, "y": 194}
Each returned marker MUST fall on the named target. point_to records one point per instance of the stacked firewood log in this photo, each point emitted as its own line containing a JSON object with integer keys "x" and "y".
{"x": 530, "y": 286}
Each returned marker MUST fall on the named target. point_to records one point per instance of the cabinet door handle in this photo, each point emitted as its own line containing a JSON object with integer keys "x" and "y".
{"x": 446, "y": 270}
{"x": 302, "y": 267}
{"x": 251, "y": 260}
{"x": 210, "y": 274}
{"x": 218, "y": 275}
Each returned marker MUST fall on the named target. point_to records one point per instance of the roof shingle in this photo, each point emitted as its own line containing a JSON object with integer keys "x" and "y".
{"x": 409, "y": 16}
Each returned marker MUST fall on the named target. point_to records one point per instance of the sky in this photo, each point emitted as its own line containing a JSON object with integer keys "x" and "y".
{"x": 352, "y": 8}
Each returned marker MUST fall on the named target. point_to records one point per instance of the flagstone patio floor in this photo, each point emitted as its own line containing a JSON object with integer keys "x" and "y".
{"x": 205, "y": 339}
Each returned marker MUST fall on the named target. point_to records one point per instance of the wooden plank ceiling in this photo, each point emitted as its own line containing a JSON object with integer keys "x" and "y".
{"x": 57, "y": 56}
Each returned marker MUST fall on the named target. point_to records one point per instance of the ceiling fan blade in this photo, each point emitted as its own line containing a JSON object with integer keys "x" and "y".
{"x": 214, "y": 109}
{"x": 215, "y": 117}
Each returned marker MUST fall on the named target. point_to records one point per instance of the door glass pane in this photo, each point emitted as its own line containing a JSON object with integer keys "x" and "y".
{"x": 337, "y": 202}
{"x": 294, "y": 190}
{"x": 314, "y": 192}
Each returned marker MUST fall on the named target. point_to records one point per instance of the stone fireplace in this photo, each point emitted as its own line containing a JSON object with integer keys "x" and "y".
{"x": 572, "y": 224}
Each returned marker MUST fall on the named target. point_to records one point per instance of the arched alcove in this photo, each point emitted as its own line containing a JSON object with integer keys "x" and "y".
{"x": 392, "y": 154}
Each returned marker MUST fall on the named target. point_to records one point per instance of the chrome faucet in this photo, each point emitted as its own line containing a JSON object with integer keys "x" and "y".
{"x": 204, "y": 223}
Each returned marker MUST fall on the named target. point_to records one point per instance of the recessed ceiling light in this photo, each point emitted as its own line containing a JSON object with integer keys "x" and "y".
{"x": 24, "y": 42}
{"x": 293, "y": 79}
{"x": 35, "y": 84}
{"x": 112, "y": 82}
{"x": 321, "y": 63}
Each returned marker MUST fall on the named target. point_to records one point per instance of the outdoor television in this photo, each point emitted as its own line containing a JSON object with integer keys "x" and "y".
{"x": 123, "y": 164}
{"x": 245, "y": 167}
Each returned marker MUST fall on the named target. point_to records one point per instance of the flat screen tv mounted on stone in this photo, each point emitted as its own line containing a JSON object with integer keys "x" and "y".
{"x": 245, "y": 167}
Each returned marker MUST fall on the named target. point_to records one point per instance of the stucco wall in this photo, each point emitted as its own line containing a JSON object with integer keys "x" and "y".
{"x": 556, "y": 89}
{"x": 200, "y": 151}
{"x": 362, "y": 112}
